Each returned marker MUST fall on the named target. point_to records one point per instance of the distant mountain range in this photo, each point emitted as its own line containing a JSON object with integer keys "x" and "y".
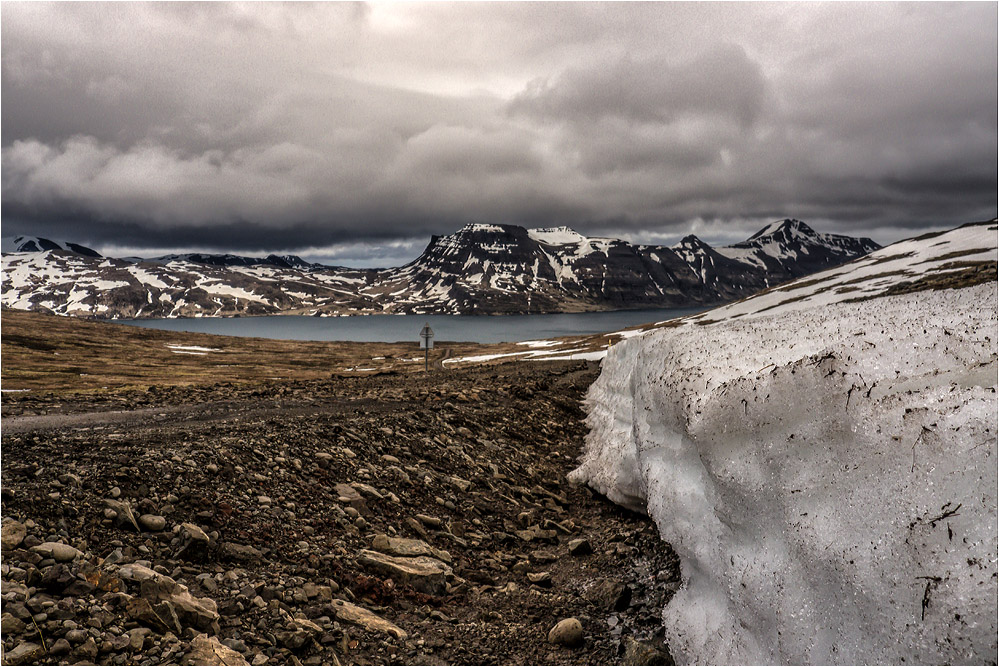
{"x": 480, "y": 269}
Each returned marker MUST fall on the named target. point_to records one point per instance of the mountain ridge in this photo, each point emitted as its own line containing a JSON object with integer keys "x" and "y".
{"x": 480, "y": 268}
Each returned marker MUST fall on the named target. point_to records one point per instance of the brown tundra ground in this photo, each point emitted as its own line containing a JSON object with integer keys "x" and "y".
{"x": 258, "y": 502}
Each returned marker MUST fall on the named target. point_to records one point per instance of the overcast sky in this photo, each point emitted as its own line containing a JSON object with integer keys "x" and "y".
{"x": 351, "y": 132}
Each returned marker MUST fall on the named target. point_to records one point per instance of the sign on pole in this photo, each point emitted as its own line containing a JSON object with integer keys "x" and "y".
{"x": 427, "y": 344}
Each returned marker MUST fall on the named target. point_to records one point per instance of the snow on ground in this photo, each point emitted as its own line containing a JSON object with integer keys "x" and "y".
{"x": 539, "y": 343}
{"x": 147, "y": 278}
{"x": 231, "y": 290}
{"x": 481, "y": 357}
{"x": 192, "y": 348}
{"x": 588, "y": 356}
{"x": 630, "y": 333}
{"x": 826, "y": 471}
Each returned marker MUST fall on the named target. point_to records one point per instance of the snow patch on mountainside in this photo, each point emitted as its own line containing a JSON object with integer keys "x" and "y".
{"x": 825, "y": 469}
{"x": 555, "y": 235}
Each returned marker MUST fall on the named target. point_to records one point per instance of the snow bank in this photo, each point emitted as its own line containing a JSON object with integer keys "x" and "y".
{"x": 827, "y": 477}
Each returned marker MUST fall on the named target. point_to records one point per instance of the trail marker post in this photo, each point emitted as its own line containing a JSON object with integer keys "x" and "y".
{"x": 427, "y": 343}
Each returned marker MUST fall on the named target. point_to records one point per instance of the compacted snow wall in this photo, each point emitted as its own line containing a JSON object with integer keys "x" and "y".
{"x": 827, "y": 477}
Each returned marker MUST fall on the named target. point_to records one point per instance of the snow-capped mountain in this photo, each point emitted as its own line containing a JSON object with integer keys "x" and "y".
{"x": 38, "y": 244}
{"x": 790, "y": 247}
{"x": 484, "y": 269}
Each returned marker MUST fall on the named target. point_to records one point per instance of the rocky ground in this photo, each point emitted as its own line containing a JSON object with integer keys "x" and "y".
{"x": 387, "y": 519}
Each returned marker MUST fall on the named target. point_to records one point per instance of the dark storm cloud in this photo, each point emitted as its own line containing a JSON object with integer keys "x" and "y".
{"x": 722, "y": 82}
{"x": 343, "y": 128}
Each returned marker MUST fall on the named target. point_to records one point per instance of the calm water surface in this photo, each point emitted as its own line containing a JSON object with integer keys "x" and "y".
{"x": 393, "y": 328}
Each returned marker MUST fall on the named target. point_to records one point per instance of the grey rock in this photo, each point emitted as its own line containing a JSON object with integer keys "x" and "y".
{"x": 567, "y": 632}
{"x": 192, "y": 532}
{"x": 57, "y": 550}
{"x": 11, "y": 625}
{"x": 25, "y": 653}
{"x": 205, "y": 650}
{"x": 137, "y": 638}
{"x": 423, "y": 573}
{"x": 351, "y": 613}
{"x": 152, "y": 522}
{"x": 429, "y": 521}
{"x": 60, "y": 647}
{"x": 125, "y": 518}
{"x": 12, "y": 534}
{"x": 608, "y": 594}
{"x": 190, "y": 610}
{"x": 17, "y": 609}
{"x": 88, "y": 649}
{"x": 57, "y": 578}
{"x": 398, "y": 546}
{"x": 543, "y": 579}
{"x": 580, "y": 547}
{"x": 239, "y": 552}
{"x": 77, "y": 636}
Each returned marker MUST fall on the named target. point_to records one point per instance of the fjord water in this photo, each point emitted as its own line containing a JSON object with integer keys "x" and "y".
{"x": 393, "y": 328}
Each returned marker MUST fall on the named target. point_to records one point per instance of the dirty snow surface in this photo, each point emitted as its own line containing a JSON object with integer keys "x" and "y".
{"x": 826, "y": 473}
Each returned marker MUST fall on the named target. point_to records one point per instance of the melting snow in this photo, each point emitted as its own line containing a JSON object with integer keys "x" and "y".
{"x": 147, "y": 278}
{"x": 539, "y": 343}
{"x": 826, "y": 471}
{"x": 192, "y": 348}
{"x": 589, "y": 356}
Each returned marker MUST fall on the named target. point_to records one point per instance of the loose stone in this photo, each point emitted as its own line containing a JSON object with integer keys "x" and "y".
{"x": 567, "y": 632}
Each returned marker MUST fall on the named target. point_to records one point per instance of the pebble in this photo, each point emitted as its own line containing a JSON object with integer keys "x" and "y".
{"x": 152, "y": 522}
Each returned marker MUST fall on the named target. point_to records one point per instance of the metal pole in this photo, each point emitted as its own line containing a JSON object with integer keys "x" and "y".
{"x": 426, "y": 359}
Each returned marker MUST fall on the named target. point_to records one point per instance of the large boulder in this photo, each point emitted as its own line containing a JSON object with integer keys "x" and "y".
{"x": 156, "y": 587}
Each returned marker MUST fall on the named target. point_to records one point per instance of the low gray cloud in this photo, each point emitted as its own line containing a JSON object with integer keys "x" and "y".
{"x": 349, "y": 127}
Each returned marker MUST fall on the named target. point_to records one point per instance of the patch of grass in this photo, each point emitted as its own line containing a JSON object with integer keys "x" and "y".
{"x": 864, "y": 279}
{"x": 801, "y": 297}
{"x": 799, "y": 285}
{"x": 951, "y": 276}
{"x": 30, "y": 342}
{"x": 892, "y": 258}
{"x": 66, "y": 354}
{"x": 956, "y": 253}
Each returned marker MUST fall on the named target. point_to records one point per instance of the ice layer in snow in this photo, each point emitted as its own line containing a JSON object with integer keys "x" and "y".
{"x": 827, "y": 476}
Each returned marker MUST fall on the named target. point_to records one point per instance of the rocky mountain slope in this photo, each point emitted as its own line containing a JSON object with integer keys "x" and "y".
{"x": 481, "y": 269}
